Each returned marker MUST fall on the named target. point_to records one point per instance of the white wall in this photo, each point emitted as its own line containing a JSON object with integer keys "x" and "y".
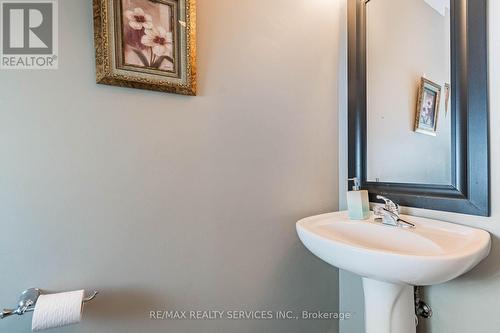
{"x": 171, "y": 202}
{"x": 397, "y": 58}
{"x": 470, "y": 303}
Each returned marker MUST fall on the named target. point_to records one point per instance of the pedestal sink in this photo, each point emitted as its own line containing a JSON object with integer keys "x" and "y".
{"x": 392, "y": 260}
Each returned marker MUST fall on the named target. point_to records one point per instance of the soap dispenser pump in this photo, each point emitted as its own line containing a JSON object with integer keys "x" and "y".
{"x": 358, "y": 202}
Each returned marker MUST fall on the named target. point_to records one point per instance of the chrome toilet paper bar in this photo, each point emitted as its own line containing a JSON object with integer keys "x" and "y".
{"x": 27, "y": 302}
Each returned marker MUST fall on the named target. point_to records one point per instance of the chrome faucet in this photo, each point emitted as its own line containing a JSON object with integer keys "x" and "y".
{"x": 389, "y": 214}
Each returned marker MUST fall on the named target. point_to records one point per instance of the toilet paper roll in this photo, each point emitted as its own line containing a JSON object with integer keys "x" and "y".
{"x": 56, "y": 310}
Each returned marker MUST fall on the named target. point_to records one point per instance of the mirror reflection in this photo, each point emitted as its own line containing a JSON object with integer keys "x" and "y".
{"x": 408, "y": 91}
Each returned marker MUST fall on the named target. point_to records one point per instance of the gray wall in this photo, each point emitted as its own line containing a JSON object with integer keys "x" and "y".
{"x": 170, "y": 202}
{"x": 470, "y": 303}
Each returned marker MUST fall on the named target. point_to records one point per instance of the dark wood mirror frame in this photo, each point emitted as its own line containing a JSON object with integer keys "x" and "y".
{"x": 469, "y": 192}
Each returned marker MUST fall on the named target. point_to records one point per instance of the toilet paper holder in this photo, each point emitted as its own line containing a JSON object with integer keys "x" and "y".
{"x": 27, "y": 302}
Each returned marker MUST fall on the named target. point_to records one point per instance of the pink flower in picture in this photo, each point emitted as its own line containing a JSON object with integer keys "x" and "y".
{"x": 159, "y": 40}
{"x": 138, "y": 19}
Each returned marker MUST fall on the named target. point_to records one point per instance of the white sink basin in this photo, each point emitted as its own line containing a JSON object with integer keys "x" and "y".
{"x": 391, "y": 259}
{"x": 434, "y": 252}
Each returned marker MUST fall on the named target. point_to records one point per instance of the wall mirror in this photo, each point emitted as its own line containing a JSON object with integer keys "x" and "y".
{"x": 418, "y": 102}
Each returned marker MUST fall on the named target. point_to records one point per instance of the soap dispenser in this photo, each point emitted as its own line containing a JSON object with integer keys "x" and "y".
{"x": 358, "y": 202}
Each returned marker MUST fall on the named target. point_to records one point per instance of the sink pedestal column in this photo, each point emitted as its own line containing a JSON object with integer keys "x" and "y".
{"x": 389, "y": 308}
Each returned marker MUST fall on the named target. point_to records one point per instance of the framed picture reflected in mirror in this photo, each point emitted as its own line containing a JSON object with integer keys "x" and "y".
{"x": 427, "y": 115}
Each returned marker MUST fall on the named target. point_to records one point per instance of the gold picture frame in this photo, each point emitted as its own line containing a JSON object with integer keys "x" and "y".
{"x": 146, "y": 44}
{"x": 428, "y": 104}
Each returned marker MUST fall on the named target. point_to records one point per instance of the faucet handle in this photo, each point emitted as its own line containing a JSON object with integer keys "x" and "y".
{"x": 389, "y": 204}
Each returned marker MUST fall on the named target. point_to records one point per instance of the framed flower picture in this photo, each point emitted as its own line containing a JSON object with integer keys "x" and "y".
{"x": 429, "y": 94}
{"x": 146, "y": 44}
